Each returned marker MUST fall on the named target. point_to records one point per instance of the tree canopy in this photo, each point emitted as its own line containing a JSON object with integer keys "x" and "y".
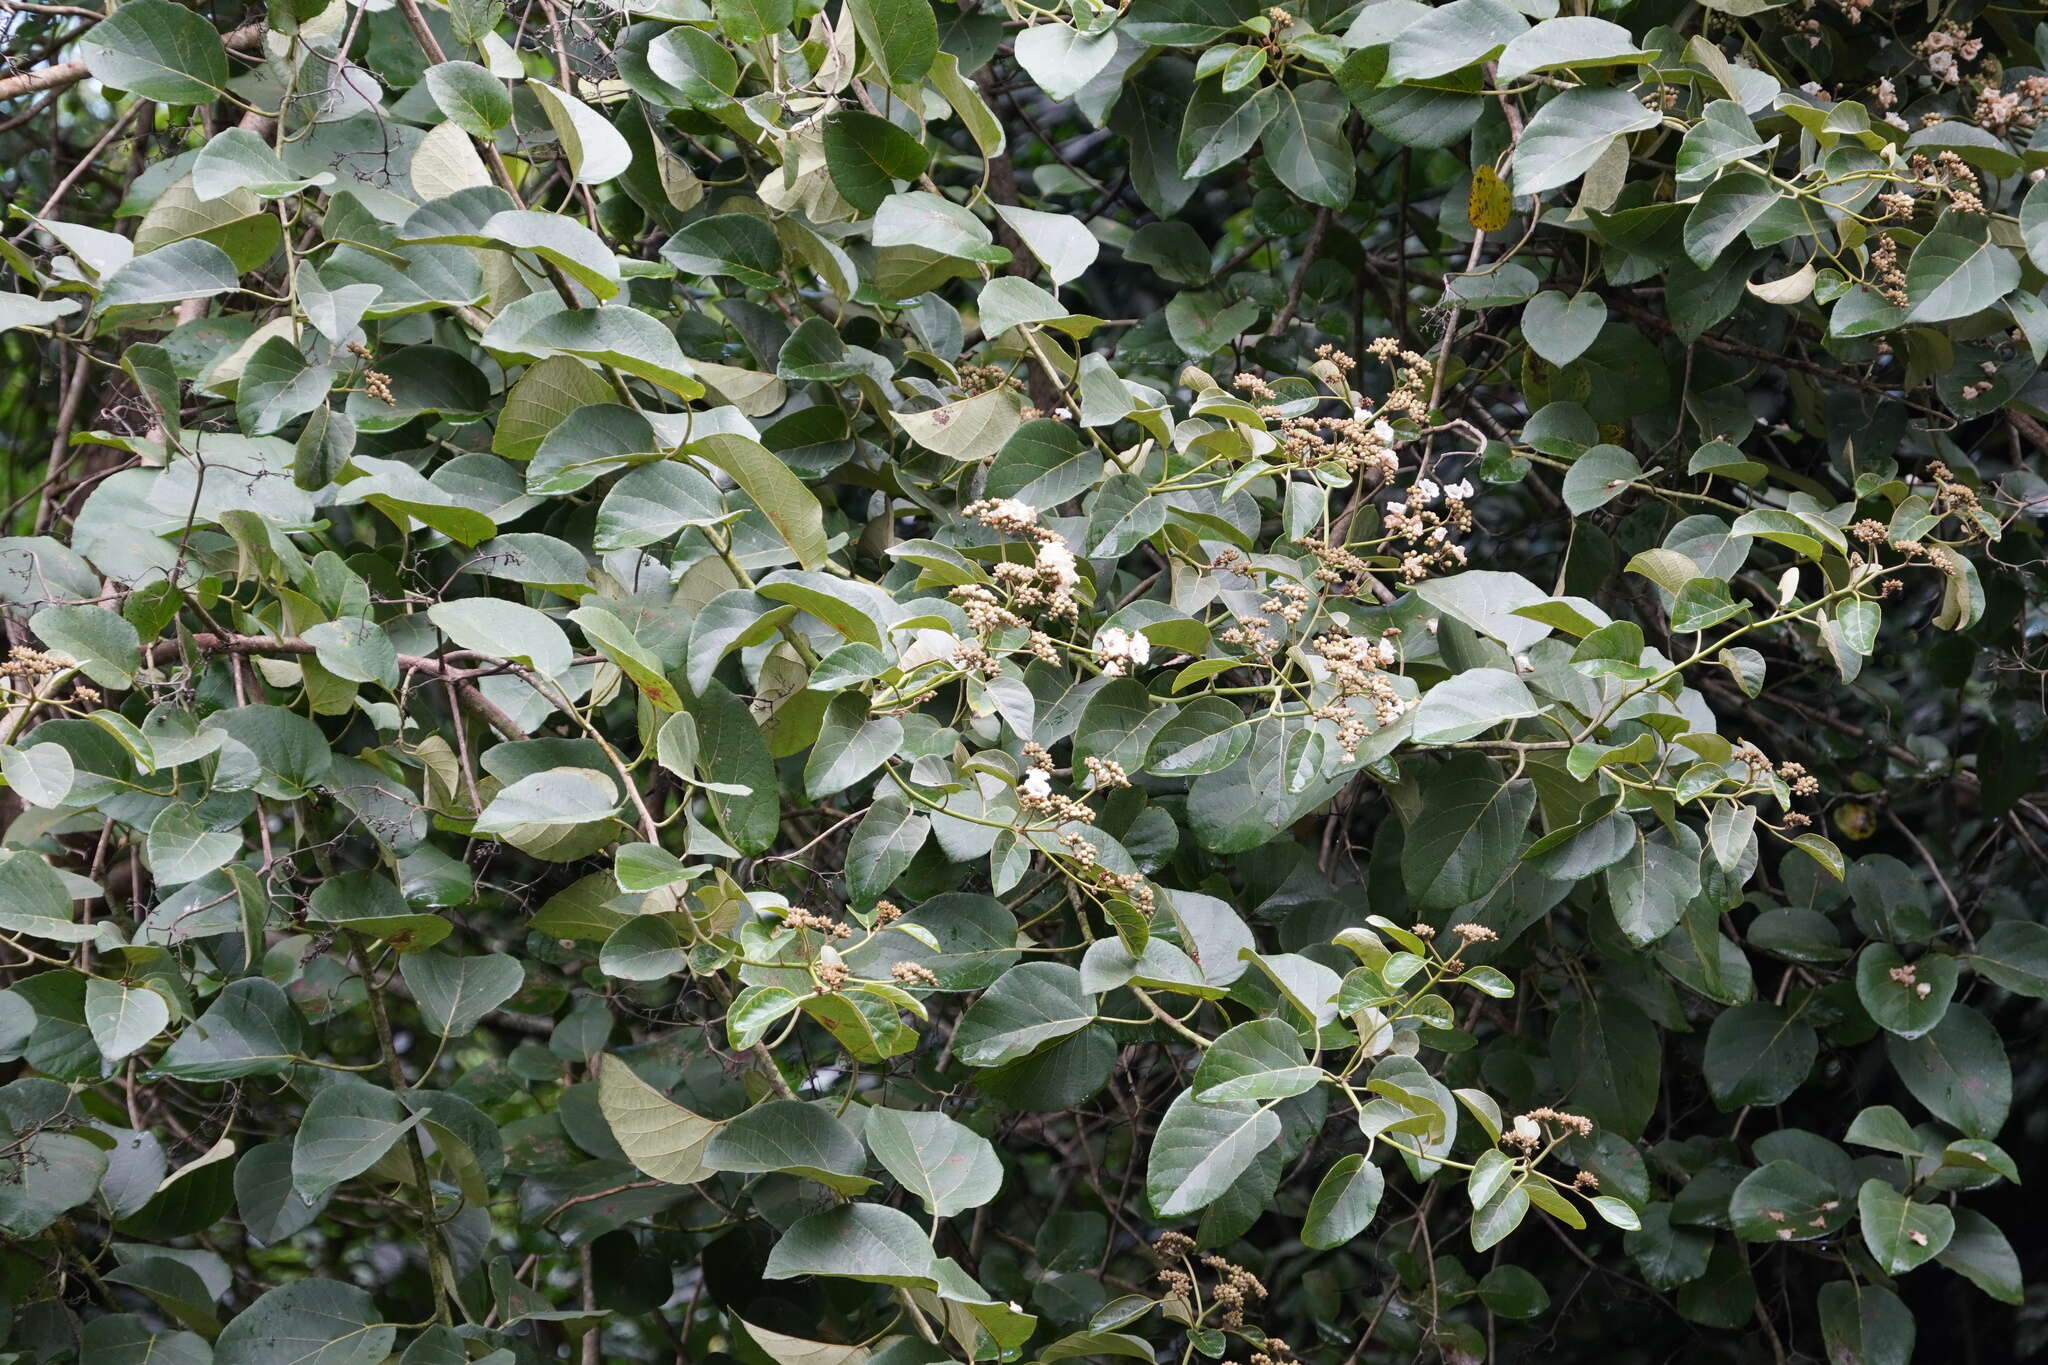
{"x": 891, "y": 681}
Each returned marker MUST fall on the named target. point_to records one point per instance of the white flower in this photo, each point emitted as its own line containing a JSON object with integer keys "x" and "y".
{"x": 1426, "y": 491}
{"x": 1119, "y": 648}
{"x": 1522, "y": 664}
{"x": 1461, "y": 490}
{"x": 1010, "y": 509}
{"x": 1399, "y": 509}
{"x": 1895, "y": 121}
{"x": 1057, "y": 560}
{"x": 1526, "y": 1130}
{"x": 1387, "y": 653}
{"x": 1063, "y": 414}
{"x": 1383, "y": 432}
{"x": 1036, "y": 786}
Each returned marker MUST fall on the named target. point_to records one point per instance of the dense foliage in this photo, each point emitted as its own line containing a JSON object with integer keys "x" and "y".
{"x": 1193, "y": 682}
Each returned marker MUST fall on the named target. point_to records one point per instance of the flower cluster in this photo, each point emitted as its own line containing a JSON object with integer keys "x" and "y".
{"x": 1045, "y": 585}
{"x": 1945, "y": 49}
{"x": 798, "y": 918}
{"x": 1358, "y": 668}
{"x": 1527, "y": 1130}
{"x": 1120, "y": 650}
{"x": 1427, "y": 529}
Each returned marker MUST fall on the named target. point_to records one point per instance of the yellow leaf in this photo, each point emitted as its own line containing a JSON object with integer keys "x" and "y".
{"x": 1490, "y": 205}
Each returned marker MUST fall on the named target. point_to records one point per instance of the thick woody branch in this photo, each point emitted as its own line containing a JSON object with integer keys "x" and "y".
{"x": 56, "y": 76}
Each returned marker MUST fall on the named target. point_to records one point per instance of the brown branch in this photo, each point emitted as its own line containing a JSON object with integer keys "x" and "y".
{"x": 247, "y": 38}
{"x": 1307, "y": 259}
{"x": 462, "y": 679}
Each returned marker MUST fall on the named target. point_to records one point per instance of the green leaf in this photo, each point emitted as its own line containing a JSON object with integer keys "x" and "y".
{"x": 1723, "y": 136}
{"x": 1305, "y": 143}
{"x": 653, "y": 502}
{"x": 948, "y": 1166}
{"x": 250, "y": 1029}
{"x": 123, "y": 1019}
{"x": 596, "y": 150}
{"x": 309, "y": 1322}
{"x": 694, "y": 64}
{"x": 1958, "y": 1070}
{"x": 1758, "y": 1053}
{"x": 1782, "y": 1201}
{"x": 41, "y": 774}
{"x": 2013, "y": 953}
{"x": 1958, "y": 270}
{"x": 1560, "y": 329}
{"x": 926, "y": 220}
{"x": 1568, "y": 44}
{"x": 237, "y": 159}
{"x": 1344, "y": 1203}
{"x": 662, "y": 1138}
{"x": 473, "y": 99}
{"x": 854, "y": 1242}
{"x": 792, "y": 509}
{"x": 1185, "y": 23}
{"x": 1028, "y": 1007}
{"x": 1901, "y": 1234}
{"x": 1259, "y": 1060}
{"x": 1598, "y": 477}
{"x": 35, "y": 901}
{"x": 1200, "y": 1150}
{"x": 499, "y": 629}
{"x": 158, "y": 50}
{"x": 867, "y": 156}
{"x": 624, "y": 338}
{"x": 851, "y": 744}
{"x": 971, "y": 429}
{"x": 1650, "y": 886}
{"x": 1061, "y": 59}
{"x": 1906, "y": 1001}
{"x": 555, "y": 238}
{"x": 1609, "y": 1059}
{"x": 900, "y": 36}
{"x": 183, "y": 849}
{"x": 795, "y": 1138}
{"x": 1980, "y": 1253}
{"x": 1222, "y": 125}
{"x": 1450, "y": 38}
{"x": 615, "y": 640}
{"x": 347, "y": 1127}
{"x": 1570, "y": 133}
{"x": 748, "y": 22}
{"x": 455, "y": 993}
{"x": 1500, "y": 1215}
{"x": 1865, "y": 1323}
{"x": 738, "y": 245}
{"x": 2034, "y": 225}
{"x": 52, "y": 1172}
{"x": 1061, "y": 243}
{"x": 1469, "y": 833}
{"x": 1469, "y": 704}
{"x": 101, "y": 642}
{"x": 1509, "y": 1290}
{"x": 1729, "y": 207}
{"x": 559, "y": 796}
